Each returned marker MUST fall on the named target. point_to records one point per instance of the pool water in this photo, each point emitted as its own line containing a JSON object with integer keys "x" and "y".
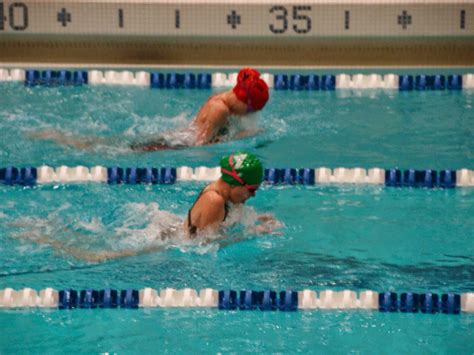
{"x": 334, "y": 237}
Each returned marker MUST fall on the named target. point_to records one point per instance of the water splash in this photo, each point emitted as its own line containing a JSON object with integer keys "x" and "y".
{"x": 135, "y": 229}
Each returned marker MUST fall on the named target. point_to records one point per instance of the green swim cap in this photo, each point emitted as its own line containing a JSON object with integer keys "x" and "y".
{"x": 242, "y": 166}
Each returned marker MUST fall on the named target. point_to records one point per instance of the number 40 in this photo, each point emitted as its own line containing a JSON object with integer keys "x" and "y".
{"x": 282, "y": 16}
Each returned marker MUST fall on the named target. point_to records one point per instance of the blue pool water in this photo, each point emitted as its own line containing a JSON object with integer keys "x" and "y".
{"x": 335, "y": 237}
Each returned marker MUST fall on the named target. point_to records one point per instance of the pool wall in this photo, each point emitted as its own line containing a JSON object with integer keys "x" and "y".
{"x": 259, "y": 32}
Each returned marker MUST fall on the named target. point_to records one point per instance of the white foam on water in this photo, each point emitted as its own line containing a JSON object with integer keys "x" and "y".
{"x": 143, "y": 126}
{"x": 145, "y": 225}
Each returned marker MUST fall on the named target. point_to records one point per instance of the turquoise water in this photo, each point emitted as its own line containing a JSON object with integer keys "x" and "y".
{"x": 337, "y": 237}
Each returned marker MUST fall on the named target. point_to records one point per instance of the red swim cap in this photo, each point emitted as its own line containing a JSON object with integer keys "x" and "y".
{"x": 247, "y": 74}
{"x": 250, "y": 89}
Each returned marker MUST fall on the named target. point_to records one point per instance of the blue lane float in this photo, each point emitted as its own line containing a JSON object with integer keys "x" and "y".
{"x": 18, "y": 176}
{"x": 388, "y": 302}
{"x": 306, "y": 176}
{"x": 304, "y": 82}
{"x": 272, "y": 176}
{"x": 67, "y": 299}
{"x": 420, "y": 178}
{"x": 409, "y": 302}
{"x": 88, "y": 299}
{"x": 423, "y": 82}
{"x": 115, "y": 175}
{"x": 176, "y": 81}
{"x": 328, "y": 82}
{"x": 129, "y": 299}
{"x": 133, "y": 176}
{"x": 70, "y": 299}
{"x": 288, "y": 301}
{"x": 429, "y": 82}
{"x": 454, "y": 82}
{"x": 289, "y": 176}
{"x": 108, "y": 298}
{"x": 267, "y": 300}
{"x": 451, "y": 303}
{"x": 204, "y": 81}
{"x": 447, "y": 179}
{"x": 55, "y": 78}
{"x": 167, "y": 176}
{"x": 180, "y": 81}
{"x": 439, "y": 82}
{"x": 425, "y": 303}
{"x": 247, "y": 301}
{"x": 32, "y": 78}
{"x": 393, "y": 178}
{"x": 298, "y": 82}
{"x": 157, "y": 80}
{"x": 148, "y": 175}
{"x": 280, "y": 82}
{"x": 405, "y": 82}
{"x": 228, "y": 300}
{"x": 429, "y": 303}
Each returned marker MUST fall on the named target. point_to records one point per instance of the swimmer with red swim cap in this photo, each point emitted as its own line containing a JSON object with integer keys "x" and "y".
{"x": 250, "y": 94}
{"x": 211, "y": 124}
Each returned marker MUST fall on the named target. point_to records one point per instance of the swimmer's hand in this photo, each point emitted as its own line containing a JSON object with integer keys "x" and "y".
{"x": 268, "y": 225}
{"x": 78, "y": 142}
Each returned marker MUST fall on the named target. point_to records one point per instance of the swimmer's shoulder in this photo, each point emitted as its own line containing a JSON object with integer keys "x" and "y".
{"x": 210, "y": 207}
{"x": 219, "y": 99}
{"x": 215, "y": 103}
{"x": 211, "y": 198}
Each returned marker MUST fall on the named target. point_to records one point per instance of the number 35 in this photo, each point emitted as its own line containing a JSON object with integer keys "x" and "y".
{"x": 301, "y": 22}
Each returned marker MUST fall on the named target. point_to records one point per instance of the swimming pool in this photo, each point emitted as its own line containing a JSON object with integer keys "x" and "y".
{"x": 335, "y": 237}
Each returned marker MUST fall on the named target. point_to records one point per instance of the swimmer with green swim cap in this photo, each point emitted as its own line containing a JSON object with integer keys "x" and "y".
{"x": 242, "y": 174}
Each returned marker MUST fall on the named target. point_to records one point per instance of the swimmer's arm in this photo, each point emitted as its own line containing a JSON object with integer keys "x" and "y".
{"x": 104, "y": 255}
{"x": 84, "y": 254}
{"x": 216, "y": 117}
{"x": 78, "y": 142}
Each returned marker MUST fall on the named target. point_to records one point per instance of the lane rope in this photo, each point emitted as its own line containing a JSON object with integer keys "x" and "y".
{"x": 266, "y": 300}
{"x": 297, "y": 82}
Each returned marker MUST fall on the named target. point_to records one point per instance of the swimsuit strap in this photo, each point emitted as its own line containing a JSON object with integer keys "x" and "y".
{"x": 192, "y": 229}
